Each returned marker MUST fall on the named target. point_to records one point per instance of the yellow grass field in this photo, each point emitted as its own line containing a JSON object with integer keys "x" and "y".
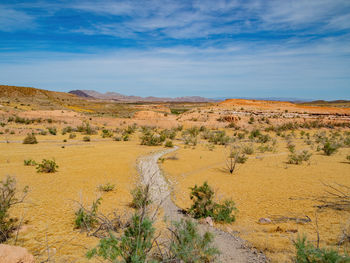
{"x": 266, "y": 186}
{"x": 50, "y": 206}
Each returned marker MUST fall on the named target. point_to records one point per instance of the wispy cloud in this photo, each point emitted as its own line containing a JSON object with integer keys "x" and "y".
{"x": 13, "y": 20}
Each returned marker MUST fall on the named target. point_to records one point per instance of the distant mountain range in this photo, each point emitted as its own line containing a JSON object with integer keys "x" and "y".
{"x": 124, "y": 98}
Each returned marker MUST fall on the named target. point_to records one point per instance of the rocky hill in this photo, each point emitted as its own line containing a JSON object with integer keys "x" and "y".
{"x": 120, "y": 97}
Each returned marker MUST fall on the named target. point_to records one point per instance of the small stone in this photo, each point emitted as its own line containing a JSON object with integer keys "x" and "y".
{"x": 209, "y": 221}
{"x": 264, "y": 220}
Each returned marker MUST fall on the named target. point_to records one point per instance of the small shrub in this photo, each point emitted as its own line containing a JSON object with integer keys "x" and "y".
{"x": 126, "y": 137}
{"x": 348, "y": 158}
{"x": 106, "y": 133}
{"x": 8, "y": 199}
{"x": 52, "y": 130}
{"x": 133, "y": 246}
{"x": 140, "y": 197}
{"x": 117, "y": 138}
{"x": 248, "y": 149}
{"x": 306, "y": 252}
{"x": 329, "y": 148}
{"x": 298, "y": 158}
{"x": 151, "y": 139}
{"x": 47, "y": 166}
{"x": 72, "y": 135}
{"x": 106, "y": 187}
{"x": 30, "y": 139}
{"x": 188, "y": 245}
{"x": 204, "y": 205}
{"x": 29, "y": 162}
{"x": 86, "y": 138}
{"x": 169, "y": 144}
{"x": 87, "y": 219}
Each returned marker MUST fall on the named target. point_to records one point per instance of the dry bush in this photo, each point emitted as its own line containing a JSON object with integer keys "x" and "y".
{"x": 30, "y": 139}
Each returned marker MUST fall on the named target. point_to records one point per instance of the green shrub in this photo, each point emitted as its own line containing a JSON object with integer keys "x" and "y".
{"x": 219, "y": 137}
{"x": 86, "y": 138}
{"x": 298, "y": 158}
{"x": 151, "y": 139}
{"x": 47, "y": 166}
{"x": 86, "y": 128}
{"x": 126, "y": 137}
{"x": 117, "y": 138}
{"x": 203, "y": 205}
{"x": 87, "y": 219}
{"x": 52, "y": 130}
{"x": 140, "y": 197}
{"x": 169, "y": 144}
{"x": 306, "y": 252}
{"x": 248, "y": 149}
{"x": 8, "y": 199}
{"x": 106, "y": 133}
{"x": 106, "y": 187}
{"x": 67, "y": 129}
{"x": 30, "y": 139}
{"x": 29, "y": 162}
{"x": 168, "y": 134}
{"x": 223, "y": 212}
{"x": 265, "y": 148}
{"x": 188, "y": 245}
{"x": 72, "y": 136}
{"x": 329, "y": 148}
{"x": 133, "y": 246}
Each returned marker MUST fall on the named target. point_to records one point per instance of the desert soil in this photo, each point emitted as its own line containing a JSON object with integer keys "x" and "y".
{"x": 232, "y": 248}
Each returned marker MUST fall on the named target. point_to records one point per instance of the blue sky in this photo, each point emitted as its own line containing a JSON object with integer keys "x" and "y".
{"x": 212, "y": 48}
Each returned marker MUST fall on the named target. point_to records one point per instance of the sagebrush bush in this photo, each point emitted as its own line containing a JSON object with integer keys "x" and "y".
{"x": 72, "y": 135}
{"x": 219, "y": 137}
{"x": 248, "y": 149}
{"x": 8, "y": 199}
{"x": 169, "y": 144}
{"x": 30, "y": 139}
{"x": 298, "y": 158}
{"x": 108, "y": 187}
{"x": 47, "y": 166}
{"x": 329, "y": 148}
{"x": 86, "y": 139}
{"x": 306, "y": 252}
{"x": 203, "y": 205}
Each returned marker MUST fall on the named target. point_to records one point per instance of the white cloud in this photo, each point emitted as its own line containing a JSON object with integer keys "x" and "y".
{"x": 13, "y": 20}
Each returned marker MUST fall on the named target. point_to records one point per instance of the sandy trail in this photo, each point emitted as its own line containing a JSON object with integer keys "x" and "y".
{"x": 232, "y": 248}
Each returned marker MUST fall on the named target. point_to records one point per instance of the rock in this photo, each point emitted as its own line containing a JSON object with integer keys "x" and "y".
{"x": 264, "y": 221}
{"x": 13, "y": 254}
{"x": 209, "y": 221}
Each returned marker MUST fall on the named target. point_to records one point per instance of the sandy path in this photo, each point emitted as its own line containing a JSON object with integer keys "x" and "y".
{"x": 232, "y": 248}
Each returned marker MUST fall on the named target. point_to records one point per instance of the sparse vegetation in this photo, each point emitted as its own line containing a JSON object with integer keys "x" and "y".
{"x": 204, "y": 205}
{"x": 86, "y": 138}
{"x": 30, "y": 139}
{"x": 86, "y": 219}
{"x": 108, "y": 187}
{"x": 140, "y": 197}
{"x": 300, "y": 157}
{"x": 29, "y": 162}
{"x": 47, "y": 166}
{"x": 8, "y": 199}
{"x": 306, "y": 252}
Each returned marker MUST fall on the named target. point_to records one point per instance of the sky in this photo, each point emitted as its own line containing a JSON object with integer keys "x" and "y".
{"x": 211, "y": 48}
